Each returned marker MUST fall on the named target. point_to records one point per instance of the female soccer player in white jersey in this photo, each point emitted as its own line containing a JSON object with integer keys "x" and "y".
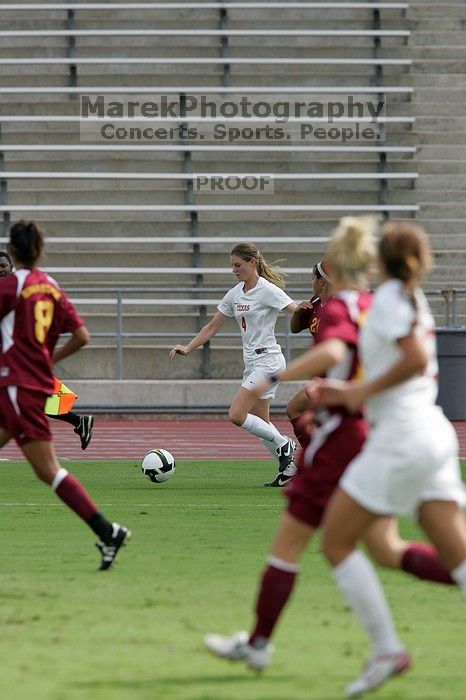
{"x": 409, "y": 464}
{"x": 255, "y": 302}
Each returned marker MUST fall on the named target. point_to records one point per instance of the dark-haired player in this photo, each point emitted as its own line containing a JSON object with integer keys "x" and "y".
{"x": 34, "y": 311}
{"x": 306, "y": 316}
{"x": 83, "y": 425}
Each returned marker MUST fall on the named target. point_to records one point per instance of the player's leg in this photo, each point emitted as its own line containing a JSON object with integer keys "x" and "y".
{"x": 71, "y": 418}
{"x": 276, "y": 585}
{"x": 4, "y": 436}
{"x": 388, "y": 549}
{"x": 300, "y": 416}
{"x": 445, "y": 525}
{"x": 41, "y": 455}
{"x": 346, "y": 522}
{"x": 83, "y": 425}
{"x": 240, "y": 414}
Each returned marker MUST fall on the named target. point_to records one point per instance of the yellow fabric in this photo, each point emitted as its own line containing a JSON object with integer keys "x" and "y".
{"x": 61, "y": 401}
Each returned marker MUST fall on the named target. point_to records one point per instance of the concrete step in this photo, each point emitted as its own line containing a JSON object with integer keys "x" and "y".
{"x": 437, "y": 38}
{"x": 423, "y": 196}
{"x": 440, "y": 137}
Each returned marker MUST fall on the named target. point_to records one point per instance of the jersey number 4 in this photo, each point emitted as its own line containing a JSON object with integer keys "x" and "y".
{"x": 43, "y": 315}
{"x": 243, "y": 323}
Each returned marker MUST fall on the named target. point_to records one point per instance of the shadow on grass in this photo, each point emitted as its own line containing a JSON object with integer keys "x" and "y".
{"x": 196, "y": 686}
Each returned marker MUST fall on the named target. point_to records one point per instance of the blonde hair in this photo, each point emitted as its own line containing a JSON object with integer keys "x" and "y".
{"x": 351, "y": 250}
{"x": 248, "y": 251}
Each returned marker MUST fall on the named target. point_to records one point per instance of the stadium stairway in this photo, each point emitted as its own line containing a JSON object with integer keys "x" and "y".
{"x": 437, "y": 46}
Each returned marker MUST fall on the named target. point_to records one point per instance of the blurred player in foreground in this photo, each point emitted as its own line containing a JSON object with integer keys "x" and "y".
{"x": 255, "y": 302}
{"x": 59, "y": 404}
{"x": 409, "y": 464}
{"x": 338, "y": 438}
{"x": 33, "y": 313}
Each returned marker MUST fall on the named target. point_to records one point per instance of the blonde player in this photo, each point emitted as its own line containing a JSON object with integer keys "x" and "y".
{"x": 255, "y": 302}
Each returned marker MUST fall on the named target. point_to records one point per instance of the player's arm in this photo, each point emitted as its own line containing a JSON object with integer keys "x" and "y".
{"x": 205, "y": 334}
{"x": 79, "y": 337}
{"x": 301, "y": 317}
{"x": 315, "y": 361}
{"x": 413, "y": 361}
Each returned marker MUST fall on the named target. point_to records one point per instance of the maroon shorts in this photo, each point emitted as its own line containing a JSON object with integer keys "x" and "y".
{"x": 22, "y": 414}
{"x": 309, "y": 491}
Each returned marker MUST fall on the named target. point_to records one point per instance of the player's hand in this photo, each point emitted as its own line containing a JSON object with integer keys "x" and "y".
{"x": 178, "y": 350}
{"x": 334, "y": 392}
{"x": 304, "y": 305}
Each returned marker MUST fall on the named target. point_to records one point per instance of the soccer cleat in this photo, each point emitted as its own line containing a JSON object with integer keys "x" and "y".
{"x": 285, "y": 454}
{"x": 283, "y": 478}
{"x": 84, "y": 430}
{"x": 109, "y": 550}
{"x": 378, "y": 670}
{"x": 237, "y": 648}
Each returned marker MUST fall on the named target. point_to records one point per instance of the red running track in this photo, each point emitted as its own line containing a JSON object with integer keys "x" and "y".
{"x": 186, "y": 439}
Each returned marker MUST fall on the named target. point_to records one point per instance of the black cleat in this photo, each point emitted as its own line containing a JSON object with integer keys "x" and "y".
{"x": 285, "y": 454}
{"x": 283, "y": 478}
{"x": 110, "y": 550}
{"x": 84, "y": 430}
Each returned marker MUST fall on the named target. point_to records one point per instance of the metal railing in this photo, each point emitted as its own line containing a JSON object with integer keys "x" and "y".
{"x": 123, "y": 299}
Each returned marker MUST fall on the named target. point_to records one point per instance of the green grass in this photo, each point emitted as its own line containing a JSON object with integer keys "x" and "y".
{"x": 199, "y": 542}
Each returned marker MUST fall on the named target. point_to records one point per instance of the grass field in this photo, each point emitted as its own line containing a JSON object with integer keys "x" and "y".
{"x": 199, "y": 543}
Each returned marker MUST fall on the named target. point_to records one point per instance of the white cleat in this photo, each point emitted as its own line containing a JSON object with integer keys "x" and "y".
{"x": 378, "y": 670}
{"x": 237, "y": 648}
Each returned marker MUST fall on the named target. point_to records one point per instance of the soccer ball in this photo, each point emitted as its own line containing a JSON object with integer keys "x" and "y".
{"x": 158, "y": 466}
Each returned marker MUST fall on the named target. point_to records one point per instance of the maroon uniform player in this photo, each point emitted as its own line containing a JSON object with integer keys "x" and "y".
{"x": 306, "y": 316}
{"x": 33, "y": 313}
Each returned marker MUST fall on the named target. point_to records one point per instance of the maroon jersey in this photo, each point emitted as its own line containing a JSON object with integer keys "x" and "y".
{"x": 341, "y": 317}
{"x": 340, "y": 435}
{"x": 309, "y": 317}
{"x": 34, "y": 311}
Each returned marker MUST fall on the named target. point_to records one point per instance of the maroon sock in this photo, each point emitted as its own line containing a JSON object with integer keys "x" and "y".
{"x": 76, "y": 497}
{"x": 303, "y": 427}
{"x": 276, "y": 587}
{"x": 422, "y": 560}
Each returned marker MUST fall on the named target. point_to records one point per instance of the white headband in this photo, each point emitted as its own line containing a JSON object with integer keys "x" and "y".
{"x": 322, "y": 272}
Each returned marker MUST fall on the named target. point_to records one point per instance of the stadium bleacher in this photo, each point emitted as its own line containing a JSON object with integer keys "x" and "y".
{"x": 136, "y": 220}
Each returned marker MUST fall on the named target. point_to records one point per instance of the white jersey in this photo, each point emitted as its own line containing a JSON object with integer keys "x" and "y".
{"x": 391, "y": 317}
{"x": 256, "y": 312}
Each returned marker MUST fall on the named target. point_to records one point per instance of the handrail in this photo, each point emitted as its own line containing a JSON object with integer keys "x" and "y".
{"x": 207, "y": 5}
{"x": 6, "y": 148}
{"x": 195, "y": 240}
{"x": 336, "y": 33}
{"x": 91, "y": 175}
{"x": 109, "y": 60}
{"x": 451, "y": 320}
{"x": 208, "y": 207}
{"x": 206, "y": 90}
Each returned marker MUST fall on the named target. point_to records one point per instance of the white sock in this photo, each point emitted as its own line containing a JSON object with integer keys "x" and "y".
{"x": 459, "y": 575}
{"x": 58, "y": 478}
{"x": 269, "y": 446}
{"x": 361, "y": 587}
{"x": 262, "y": 429}
{"x": 278, "y": 563}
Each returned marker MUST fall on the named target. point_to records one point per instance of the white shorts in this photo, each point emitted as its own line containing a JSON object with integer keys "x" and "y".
{"x": 256, "y": 371}
{"x": 405, "y": 463}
